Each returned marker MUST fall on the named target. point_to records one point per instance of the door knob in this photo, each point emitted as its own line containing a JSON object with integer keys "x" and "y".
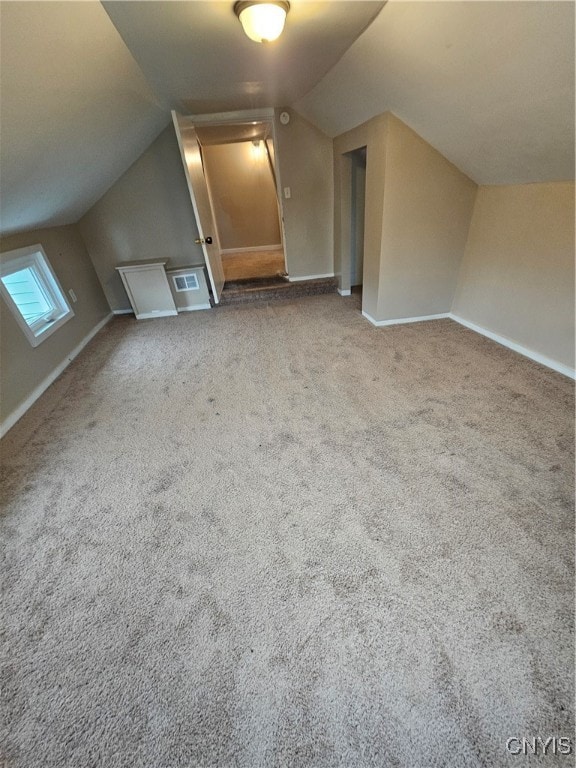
{"x": 200, "y": 240}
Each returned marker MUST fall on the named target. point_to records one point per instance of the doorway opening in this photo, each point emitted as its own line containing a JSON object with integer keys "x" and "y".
{"x": 240, "y": 169}
{"x": 357, "y": 218}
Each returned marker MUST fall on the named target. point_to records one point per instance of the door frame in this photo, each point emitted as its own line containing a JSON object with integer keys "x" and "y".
{"x": 262, "y": 115}
{"x": 354, "y": 252}
{"x": 343, "y": 228}
{"x": 202, "y": 201}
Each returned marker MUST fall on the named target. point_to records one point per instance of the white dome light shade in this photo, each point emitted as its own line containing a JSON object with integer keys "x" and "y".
{"x": 262, "y": 22}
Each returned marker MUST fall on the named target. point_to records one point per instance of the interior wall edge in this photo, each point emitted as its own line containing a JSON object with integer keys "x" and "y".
{"x": 517, "y": 275}
{"x": 304, "y": 163}
{"x": 548, "y": 362}
{"x": 403, "y": 320}
{"x": 147, "y": 212}
{"x": 24, "y": 406}
{"x": 428, "y": 204}
{"x": 298, "y": 278}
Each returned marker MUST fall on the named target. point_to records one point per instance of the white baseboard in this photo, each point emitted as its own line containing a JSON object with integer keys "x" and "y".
{"x": 505, "y": 342}
{"x": 536, "y": 356}
{"x": 17, "y": 414}
{"x": 152, "y": 315}
{"x": 310, "y": 277}
{"x": 402, "y": 320}
{"x": 123, "y": 311}
{"x": 345, "y": 292}
{"x": 277, "y": 247}
{"x": 196, "y": 306}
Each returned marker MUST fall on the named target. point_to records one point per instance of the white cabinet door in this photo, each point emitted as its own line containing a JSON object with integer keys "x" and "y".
{"x": 148, "y": 290}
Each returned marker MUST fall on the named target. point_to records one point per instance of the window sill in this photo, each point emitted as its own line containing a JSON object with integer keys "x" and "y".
{"x": 36, "y": 338}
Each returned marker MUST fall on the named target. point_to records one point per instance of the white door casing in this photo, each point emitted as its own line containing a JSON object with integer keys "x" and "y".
{"x": 198, "y": 188}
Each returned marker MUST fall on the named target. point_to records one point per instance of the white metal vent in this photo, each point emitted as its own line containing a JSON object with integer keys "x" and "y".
{"x": 186, "y": 282}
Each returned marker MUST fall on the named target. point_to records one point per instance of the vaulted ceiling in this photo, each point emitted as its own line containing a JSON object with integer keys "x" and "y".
{"x": 197, "y": 59}
{"x": 76, "y": 111}
{"x": 489, "y": 84}
{"x": 86, "y": 86}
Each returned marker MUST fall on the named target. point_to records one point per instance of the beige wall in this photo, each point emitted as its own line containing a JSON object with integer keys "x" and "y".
{"x": 304, "y": 163}
{"x": 501, "y": 258}
{"x": 24, "y": 367}
{"x": 243, "y": 195}
{"x": 146, "y": 214}
{"x": 417, "y": 213}
{"x": 428, "y": 205}
{"x": 517, "y": 275}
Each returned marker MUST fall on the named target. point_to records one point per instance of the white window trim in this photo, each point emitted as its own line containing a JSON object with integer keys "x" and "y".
{"x": 34, "y": 256}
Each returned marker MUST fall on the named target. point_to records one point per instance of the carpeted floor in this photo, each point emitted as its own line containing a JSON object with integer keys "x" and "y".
{"x": 273, "y": 535}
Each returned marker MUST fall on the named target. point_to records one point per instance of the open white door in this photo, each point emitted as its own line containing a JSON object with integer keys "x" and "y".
{"x": 194, "y": 171}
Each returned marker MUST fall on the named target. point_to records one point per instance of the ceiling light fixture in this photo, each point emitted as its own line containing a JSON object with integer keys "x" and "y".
{"x": 262, "y": 21}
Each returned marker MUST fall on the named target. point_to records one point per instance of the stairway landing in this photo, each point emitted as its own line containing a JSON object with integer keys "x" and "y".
{"x": 273, "y": 288}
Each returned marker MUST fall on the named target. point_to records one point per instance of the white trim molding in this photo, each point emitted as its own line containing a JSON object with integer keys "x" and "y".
{"x": 526, "y": 351}
{"x": 52, "y": 306}
{"x": 161, "y": 313}
{"x": 345, "y": 292}
{"x": 17, "y": 414}
{"x": 265, "y": 114}
{"x": 310, "y": 277}
{"x": 505, "y": 342}
{"x": 123, "y": 311}
{"x": 195, "y": 306}
{"x": 402, "y": 320}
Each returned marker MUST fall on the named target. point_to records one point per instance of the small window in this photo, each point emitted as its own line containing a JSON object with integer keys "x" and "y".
{"x": 33, "y": 293}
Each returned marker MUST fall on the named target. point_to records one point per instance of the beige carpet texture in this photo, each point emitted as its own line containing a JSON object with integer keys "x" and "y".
{"x": 272, "y": 535}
